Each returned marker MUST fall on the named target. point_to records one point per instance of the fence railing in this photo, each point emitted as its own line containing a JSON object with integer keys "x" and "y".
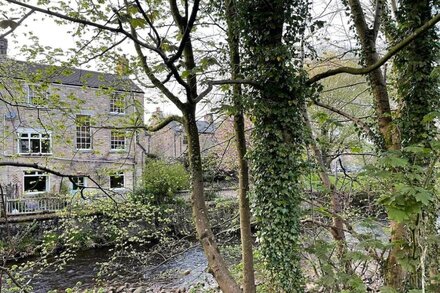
{"x": 30, "y": 205}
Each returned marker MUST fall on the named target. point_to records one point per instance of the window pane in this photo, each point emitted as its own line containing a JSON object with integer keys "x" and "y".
{"x": 45, "y": 146}
{"x": 37, "y": 95}
{"x": 83, "y": 132}
{"x": 117, "y": 181}
{"x": 35, "y": 182}
{"x": 78, "y": 182}
{"x": 24, "y": 146}
{"x": 117, "y": 140}
{"x": 35, "y": 146}
{"x": 117, "y": 103}
{"x": 34, "y": 143}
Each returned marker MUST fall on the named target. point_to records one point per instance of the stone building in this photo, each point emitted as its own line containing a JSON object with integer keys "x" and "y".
{"x": 171, "y": 141}
{"x": 73, "y": 121}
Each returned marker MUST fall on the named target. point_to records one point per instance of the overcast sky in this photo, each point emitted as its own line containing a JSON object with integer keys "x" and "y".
{"x": 54, "y": 35}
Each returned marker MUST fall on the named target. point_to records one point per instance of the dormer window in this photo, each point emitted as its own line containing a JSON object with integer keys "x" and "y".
{"x": 117, "y": 103}
{"x": 34, "y": 142}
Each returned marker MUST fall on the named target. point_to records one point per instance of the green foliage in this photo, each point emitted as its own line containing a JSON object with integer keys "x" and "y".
{"x": 160, "y": 182}
{"x": 278, "y": 138}
{"x": 404, "y": 180}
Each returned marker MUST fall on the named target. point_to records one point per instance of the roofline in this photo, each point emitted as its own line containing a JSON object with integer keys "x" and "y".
{"x": 88, "y": 86}
{"x": 85, "y": 71}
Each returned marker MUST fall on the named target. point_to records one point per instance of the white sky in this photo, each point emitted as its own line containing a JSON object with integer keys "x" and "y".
{"x": 54, "y": 35}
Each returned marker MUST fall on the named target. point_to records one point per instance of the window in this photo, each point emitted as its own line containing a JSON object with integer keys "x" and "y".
{"x": 37, "y": 95}
{"x": 117, "y": 180}
{"x": 117, "y": 140}
{"x": 36, "y": 182}
{"x": 78, "y": 183}
{"x": 117, "y": 103}
{"x": 33, "y": 142}
{"x": 83, "y": 133}
{"x": 185, "y": 139}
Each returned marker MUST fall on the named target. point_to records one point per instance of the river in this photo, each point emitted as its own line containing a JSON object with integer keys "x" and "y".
{"x": 186, "y": 270}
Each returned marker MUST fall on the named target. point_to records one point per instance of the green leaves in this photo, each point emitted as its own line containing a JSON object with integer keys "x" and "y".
{"x": 138, "y": 22}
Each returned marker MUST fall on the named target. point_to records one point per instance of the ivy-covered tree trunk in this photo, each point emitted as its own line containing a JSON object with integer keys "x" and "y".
{"x": 417, "y": 83}
{"x": 415, "y": 86}
{"x": 216, "y": 263}
{"x": 240, "y": 138}
{"x": 278, "y": 136}
{"x": 418, "y": 93}
{"x": 390, "y": 138}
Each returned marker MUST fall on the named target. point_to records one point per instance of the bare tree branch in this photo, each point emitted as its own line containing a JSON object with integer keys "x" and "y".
{"x": 164, "y": 123}
{"x": 185, "y": 27}
{"x": 88, "y": 23}
{"x": 211, "y": 83}
{"x": 367, "y": 130}
{"x": 57, "y": 173}
{"x": 17, "y": 24}
{"x": 5, "y": 270}
{"x": 391, "y": 52}
{"x": 377, "y": 17}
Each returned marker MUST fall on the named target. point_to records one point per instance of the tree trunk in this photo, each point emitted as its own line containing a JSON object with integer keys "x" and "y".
{"x": 216, "y": 263}
{"x": 337, "y": 228}
{"x": 391, "y": 141}
{"x": 278, "y": 137}
{"x": 245, "y": 214}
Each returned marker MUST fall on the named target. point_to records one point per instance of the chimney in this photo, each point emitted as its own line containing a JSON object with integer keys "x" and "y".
{"x": 209, "y": 118}
{"x": 158, "y": 114}
{"x": 3, "y": 47}
{"x": 122, "y": 66}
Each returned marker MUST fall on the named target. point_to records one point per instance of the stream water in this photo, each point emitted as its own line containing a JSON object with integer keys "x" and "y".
{"x": 183, "y": 271}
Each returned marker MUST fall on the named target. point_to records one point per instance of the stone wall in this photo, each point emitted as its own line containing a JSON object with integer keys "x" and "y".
{"x": 59, "y": 120}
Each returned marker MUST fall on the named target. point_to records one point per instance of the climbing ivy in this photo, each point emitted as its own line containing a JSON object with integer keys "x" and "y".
{"x": 269, "y": 31}
{"x": 417, "y": 84}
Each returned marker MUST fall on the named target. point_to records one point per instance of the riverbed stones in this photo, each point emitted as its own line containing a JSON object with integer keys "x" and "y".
{"x": 140, "y": 290}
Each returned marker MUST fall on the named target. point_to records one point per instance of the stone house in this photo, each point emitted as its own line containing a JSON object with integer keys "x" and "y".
{"x": 171, "y": 142}
{"x": 73, "y": 121}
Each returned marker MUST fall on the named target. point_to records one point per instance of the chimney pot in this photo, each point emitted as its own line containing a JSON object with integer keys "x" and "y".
{"x": 3, "y": 47}
{"x": 209, "y": 118}
{"x": 122, "y": 66}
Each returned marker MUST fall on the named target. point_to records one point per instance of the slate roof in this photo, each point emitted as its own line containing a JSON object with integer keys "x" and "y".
{"x": 65, "y": 75}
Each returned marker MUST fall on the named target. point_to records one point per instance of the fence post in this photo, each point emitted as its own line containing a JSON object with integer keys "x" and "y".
{"x": 2, "y": 203}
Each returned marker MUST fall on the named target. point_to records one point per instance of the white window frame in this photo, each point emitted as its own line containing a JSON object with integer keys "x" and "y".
{"x": 117, "y": 174}
{"x": 40, "y": 137}
{"x": 114, "y": 142}
{"x": 78, "y": 130}
{"x": 33, "y": 88}
{"x": 78, "y": 189}
{"x": 36, "y": 174}
{"x": 114, "y": 100}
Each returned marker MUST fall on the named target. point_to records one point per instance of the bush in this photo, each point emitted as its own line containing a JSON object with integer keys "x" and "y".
{"x": 160, "y": 182}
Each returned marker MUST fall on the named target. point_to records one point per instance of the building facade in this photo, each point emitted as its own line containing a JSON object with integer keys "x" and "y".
{"x": 72, "y": 121}
{"x": 171, "y": 142}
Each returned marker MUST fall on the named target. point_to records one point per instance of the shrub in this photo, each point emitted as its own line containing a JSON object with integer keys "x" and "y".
{"x": 160, "y": 182}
